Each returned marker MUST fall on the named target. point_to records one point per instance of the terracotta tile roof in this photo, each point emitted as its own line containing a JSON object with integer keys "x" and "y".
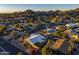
{"x": 58, "y": 43}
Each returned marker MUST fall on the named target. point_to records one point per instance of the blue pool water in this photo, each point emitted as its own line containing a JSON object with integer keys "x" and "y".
{"x": 52, "y": 30}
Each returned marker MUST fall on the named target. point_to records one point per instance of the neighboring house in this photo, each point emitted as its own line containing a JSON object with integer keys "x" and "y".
{"x": 37, "y": 38}
{"x": 34, "y": 39}
{"x": 70, "y": 25}
{"x": 58, "y": 44}
{"x": 61, "y": 46}
{"x": 12, "y": 47}
{"x": 3, "y": 51}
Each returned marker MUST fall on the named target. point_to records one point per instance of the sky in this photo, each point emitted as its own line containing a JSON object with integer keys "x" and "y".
{"x": 9, "y": 8}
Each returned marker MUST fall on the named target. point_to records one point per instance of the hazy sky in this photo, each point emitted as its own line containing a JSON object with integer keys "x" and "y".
{"x": 7, "y": 8}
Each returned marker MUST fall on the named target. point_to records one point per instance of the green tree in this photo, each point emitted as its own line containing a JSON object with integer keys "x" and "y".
{"x": 70, "y": 48}
{"x": 47, "y": 50}
{"x": 26, "y": 34}
{"x": 17, "y": 25}
{"x": 13, "y": 34}
{"x": 2, "y": 29}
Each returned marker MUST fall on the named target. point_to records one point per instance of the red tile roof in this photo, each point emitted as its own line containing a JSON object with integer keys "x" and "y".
{"x": 58, "y": 43}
